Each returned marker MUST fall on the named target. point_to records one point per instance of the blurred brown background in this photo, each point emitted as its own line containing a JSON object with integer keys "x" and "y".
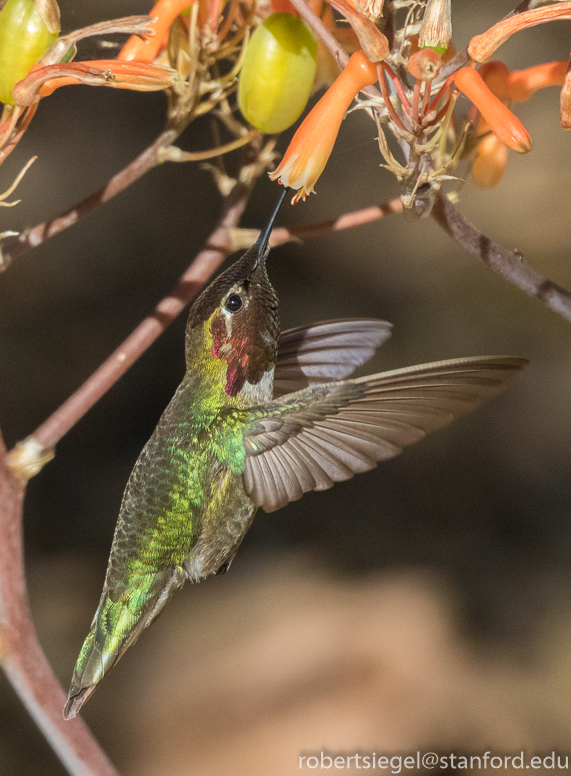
{"x": 425, "y": 605}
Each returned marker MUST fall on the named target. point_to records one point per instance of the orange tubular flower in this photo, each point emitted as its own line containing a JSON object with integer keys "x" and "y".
{"x": 501, "y": 120}
{"x": 42, "y": 81}
{"x": 489, "y": 162}
{"x": 522, "y": 84}
{"x": 490, "y": 156}
{"x": 311, "y": 146}
{"x": 496, "y": 77}
{"x": 166, "y": 12}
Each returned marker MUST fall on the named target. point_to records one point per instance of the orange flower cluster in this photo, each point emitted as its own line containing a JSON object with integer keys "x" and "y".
{"x": 491, "y": 90}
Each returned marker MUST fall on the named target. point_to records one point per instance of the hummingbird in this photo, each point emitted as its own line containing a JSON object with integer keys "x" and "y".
{"x": 258, "y": 420}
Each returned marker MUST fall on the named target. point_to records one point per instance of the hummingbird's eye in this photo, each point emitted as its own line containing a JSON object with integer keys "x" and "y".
{"x": 233, "y": 303}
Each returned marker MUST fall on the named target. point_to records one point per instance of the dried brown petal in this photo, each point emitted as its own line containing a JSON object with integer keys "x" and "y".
{"x": 373, "y": 42}
{"x": 120, "y": 75}
{"x": 49, "y": 12}
{"x": 566, "y": 100}
{"x": 482, "y": 47}
{"x": 129, "y": 25}
{"x": 436, "y": 30}
{"x": 371, "y": 8}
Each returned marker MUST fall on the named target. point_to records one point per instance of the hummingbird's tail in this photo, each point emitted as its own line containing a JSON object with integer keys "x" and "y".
{"x": 118, "y": 622}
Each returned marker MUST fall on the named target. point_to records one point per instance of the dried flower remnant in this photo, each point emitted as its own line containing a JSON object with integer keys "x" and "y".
{"x": 371, "y": 8}
{"x": 482, "y": 47}
{"x": 136, "y": 76}
{"x": 373, "y": 42}
{"x": 436, "y": 29}
{"x": 50, "y": 13}
{"x": 13, "y": 187}
{"x": 311, "y": 146}
{"x": 565, "y": 102}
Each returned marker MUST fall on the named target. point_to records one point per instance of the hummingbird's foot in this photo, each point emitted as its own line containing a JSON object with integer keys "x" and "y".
{"x": 224, "y": 567}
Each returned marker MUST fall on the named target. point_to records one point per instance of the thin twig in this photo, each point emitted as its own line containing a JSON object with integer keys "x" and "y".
{"x": 22, "y": 657}
{"x": 508, "y": 264}
{"x": 346, "y": 221}
{"x": 461, "y": 59}
{"x": 206, "y": 262}
{"x": 31, "y": 238}
{"x": 175, "y": 154}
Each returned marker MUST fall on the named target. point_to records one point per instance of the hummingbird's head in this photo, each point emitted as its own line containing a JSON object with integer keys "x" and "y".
{"x": 235, "y": 319}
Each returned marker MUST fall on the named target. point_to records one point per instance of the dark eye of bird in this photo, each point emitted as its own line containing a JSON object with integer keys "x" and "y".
{"x": 233, "y": 303}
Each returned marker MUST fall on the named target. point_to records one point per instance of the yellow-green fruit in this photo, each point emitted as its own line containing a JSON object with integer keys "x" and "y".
{"x": 24, "y": 38}
{"x": 277, "y": 74}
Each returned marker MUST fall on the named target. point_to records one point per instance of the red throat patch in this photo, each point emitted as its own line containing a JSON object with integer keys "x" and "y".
{"x": 234, "y": 351}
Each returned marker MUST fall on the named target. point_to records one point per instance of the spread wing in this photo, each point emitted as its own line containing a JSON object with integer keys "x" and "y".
{"x": 329, "y": 432}
{"x": 326, "y": 351}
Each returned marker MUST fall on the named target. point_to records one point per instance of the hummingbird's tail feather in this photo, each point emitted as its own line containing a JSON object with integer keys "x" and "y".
{"x": 121, "y": 616}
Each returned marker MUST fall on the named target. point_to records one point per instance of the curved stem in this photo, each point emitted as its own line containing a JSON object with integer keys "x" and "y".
{"x": 22, "y": 657}
{"x": 509, "y": 265}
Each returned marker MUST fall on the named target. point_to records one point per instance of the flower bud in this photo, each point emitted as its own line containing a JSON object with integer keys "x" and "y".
{"x": 489, "y": 162}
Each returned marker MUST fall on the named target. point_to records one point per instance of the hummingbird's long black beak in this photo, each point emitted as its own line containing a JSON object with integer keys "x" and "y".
{"x": 261, "y": 244}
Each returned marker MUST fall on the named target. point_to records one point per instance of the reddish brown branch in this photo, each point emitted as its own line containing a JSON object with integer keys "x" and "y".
{"x": 31, "y": 238}
{"x": 21, "y": 656}
{"x": 508, "y": 264}
{"x": 347, "y": 220}
{"x": 208, "y": 260}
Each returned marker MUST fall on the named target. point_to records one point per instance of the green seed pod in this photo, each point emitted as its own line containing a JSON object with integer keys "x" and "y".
{"x": 277, "y": 74}
{"x": 24, "y": 38}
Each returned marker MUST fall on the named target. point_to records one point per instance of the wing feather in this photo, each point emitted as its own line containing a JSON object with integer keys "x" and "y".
{"x": 325, "y": 352}
{"x": 328, "y": 432}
